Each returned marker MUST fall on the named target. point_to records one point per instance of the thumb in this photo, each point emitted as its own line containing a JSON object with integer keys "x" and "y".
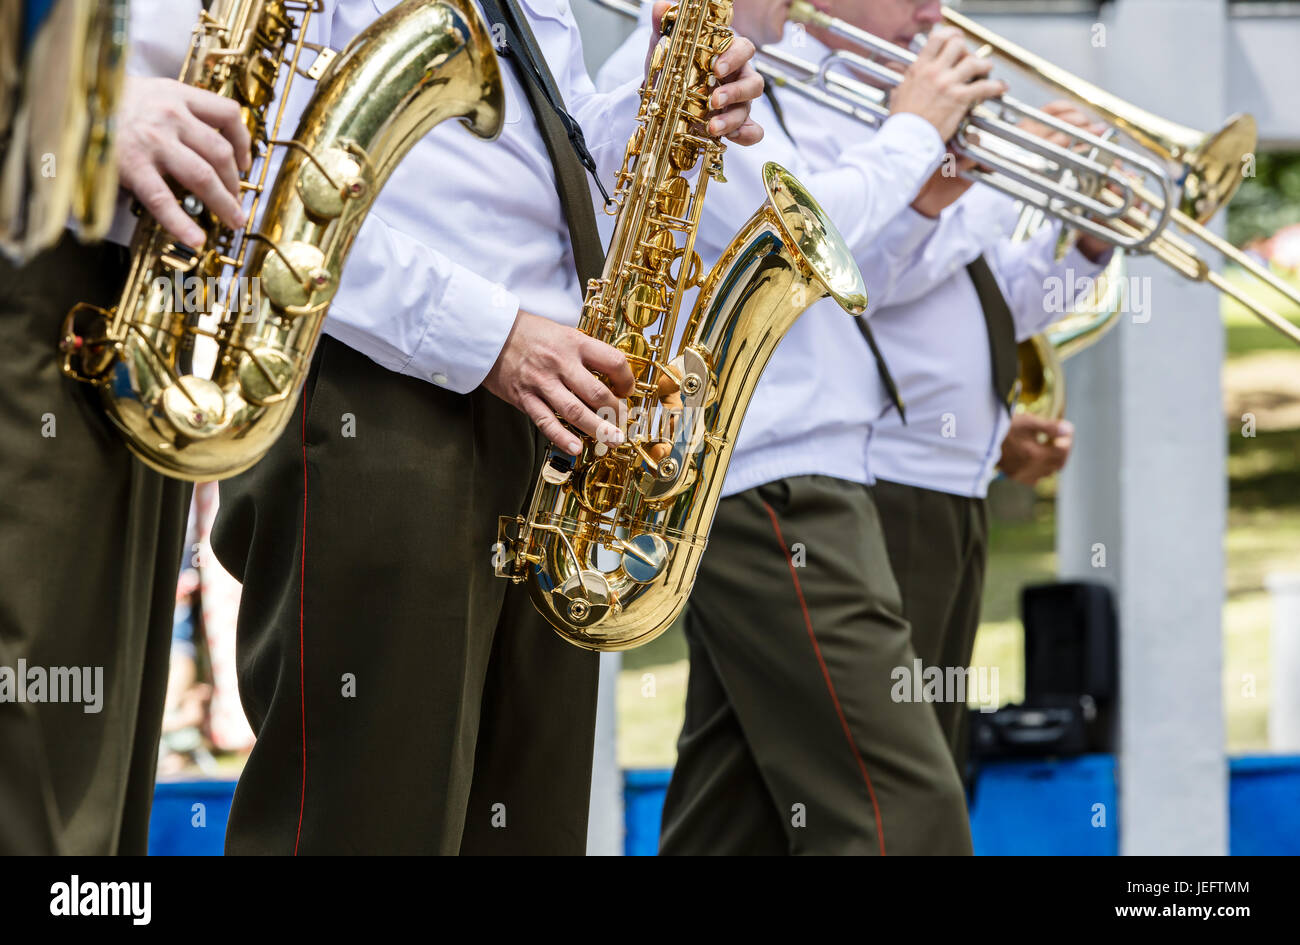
{"x": 657, "y": 14}
{"x": 1036, "y": 423}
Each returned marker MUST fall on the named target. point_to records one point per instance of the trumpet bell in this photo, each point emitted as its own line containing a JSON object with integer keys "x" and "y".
{"x": 1215, "y": 169}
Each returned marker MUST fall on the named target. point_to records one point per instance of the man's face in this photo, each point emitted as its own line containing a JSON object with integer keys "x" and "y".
{"x": 899, "y": 21}
{"x": 760, "y": 21}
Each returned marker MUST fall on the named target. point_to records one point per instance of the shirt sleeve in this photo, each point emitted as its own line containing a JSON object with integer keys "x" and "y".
{"x": 160, "y": 35}
{"x": 437, "y": 321}
{"x": 876, "y": 180}
{"x": 919, "y": 253}
{"x": 1039, "y": 288}
{"x": 607, "y": 118}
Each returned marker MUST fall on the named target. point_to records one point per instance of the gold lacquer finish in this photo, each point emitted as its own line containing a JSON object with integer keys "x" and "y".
{"x": 266, "y": 293}
{"x": 61, "y": 71}
{"x": 1087, "y": 320}
{"x": 1042, "y": 357}
{"x": 612, "y": 539}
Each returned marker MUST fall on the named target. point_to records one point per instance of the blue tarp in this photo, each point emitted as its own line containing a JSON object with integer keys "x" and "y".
{"x": 1048, "y": 807}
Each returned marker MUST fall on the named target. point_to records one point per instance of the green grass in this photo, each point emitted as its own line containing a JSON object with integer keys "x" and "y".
{"x": 1246, "y": 333}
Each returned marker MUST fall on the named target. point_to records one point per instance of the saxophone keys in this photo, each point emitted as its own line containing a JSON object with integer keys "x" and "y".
{"x": 660, "y": 250}
{"x": 585, "y": 598}
{"x": 328, "y": 181}
{"x": 644, "y": 304}
{"x": 178, "y": 257}
{"x": 602, "y": 484}
{"x": 88, "y": 351}
{"x": 637, "y": 351}
{"x": 195, "y": 406}
{"x": 674, "y": 194}
{"x": 266, "y": 375}
{"x": 644, "y": 557}
{"x": 293, "y": 274}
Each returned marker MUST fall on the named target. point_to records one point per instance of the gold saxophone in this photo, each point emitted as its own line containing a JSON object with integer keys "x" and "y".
{"x": 612, "y": 539}
{"x": 265, "y": 293}
{"x": 62, "y": 64}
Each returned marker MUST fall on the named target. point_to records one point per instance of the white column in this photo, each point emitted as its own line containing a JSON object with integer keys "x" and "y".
{"x": 1284, "y": 664}
{"x": 1147, "y": 486}
{"x": 603, "y": 31}
{"x": 605, "y": 820}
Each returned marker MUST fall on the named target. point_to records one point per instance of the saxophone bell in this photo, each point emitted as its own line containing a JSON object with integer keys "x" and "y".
{"x": 62, "y": 67}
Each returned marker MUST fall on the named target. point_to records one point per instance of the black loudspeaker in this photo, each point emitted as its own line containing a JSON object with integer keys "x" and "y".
{"x": 1070, "y": 643}
{"x": 1071, "y": 678}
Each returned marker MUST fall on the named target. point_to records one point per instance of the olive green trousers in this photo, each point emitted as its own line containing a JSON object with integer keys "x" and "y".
{"x": 405, "y": 699}
{"x": 794, "y": 741}
{"x": 90, "y": 548}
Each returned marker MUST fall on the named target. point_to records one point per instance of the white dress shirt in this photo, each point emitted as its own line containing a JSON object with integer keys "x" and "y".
{"x": 927, "y": 317}
{"x": 467, "y": 232}
{"x": 814, "y": 407}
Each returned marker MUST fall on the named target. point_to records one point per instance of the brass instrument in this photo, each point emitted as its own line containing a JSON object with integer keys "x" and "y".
{"x": 1042, "y": 357}
{"x": 62, "y": 66}
{"x": 268, "y": 291}
{"x": 1087, "y": 321}
{"x": 1008, "y": 158}
{"x": 612, "y": 539}
{"x": 1138, "y": 206}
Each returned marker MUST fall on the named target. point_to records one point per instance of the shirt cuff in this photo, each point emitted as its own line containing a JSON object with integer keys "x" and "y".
{"x": 907, "y": 231}
{"x": 466, "y": 334}
{"x": 913, "y": 135}
{"x": 1081, "y": 263}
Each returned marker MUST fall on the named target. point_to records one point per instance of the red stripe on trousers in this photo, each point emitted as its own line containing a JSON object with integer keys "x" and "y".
{"x": 830, "y": 686}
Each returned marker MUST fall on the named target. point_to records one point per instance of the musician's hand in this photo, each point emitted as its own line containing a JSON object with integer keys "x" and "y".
{"x": 1094, "y": 249}
{"x": 944, "y": 83}
{"x": 546, "y": 368}
{"x": 1035, "y": 448}
{"x": 1068, "y": 112}
{"x": 944, "y": 186}
{"x": 196, "y": 138}
{"x": 738, "y": 85}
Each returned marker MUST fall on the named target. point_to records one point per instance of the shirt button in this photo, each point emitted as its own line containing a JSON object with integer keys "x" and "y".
{"x": 439, "y": 378}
